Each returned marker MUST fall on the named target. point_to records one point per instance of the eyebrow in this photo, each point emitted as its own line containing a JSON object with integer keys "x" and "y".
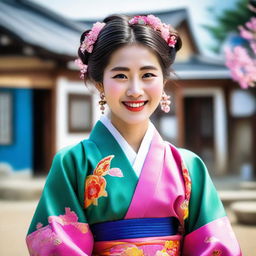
{"x": 127, "y": 69}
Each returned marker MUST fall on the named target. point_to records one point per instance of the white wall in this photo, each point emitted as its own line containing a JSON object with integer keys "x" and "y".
{"x": 220, "y": 123}
{"x": 64, "y": 87}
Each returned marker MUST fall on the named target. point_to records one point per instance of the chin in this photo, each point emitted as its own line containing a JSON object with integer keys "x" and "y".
{"x": 136, "y": 121}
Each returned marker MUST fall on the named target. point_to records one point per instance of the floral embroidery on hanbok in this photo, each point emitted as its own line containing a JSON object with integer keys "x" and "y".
{"x": 45, "y": 239}
{"x": 95, "y": 184}
{"x": 171, "y": 248}
{"x": 216, "y": 253}
{"x": 184, "y": 206}
{"x": 69, "y": 218}
{"x": 145, "y": 248}
{"x": 211, "y": 239}
{"x": 161, "y": 253}
{"x": 124, "y": 249}
{"x": 132, "y": 251}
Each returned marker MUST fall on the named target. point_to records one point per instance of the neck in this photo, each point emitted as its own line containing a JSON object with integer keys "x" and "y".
{"x": 132, "y": 133}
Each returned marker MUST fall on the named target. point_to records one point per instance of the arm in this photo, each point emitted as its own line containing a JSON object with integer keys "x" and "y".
{"x": 59, "y": 226}
{"x": 208, "y": 230}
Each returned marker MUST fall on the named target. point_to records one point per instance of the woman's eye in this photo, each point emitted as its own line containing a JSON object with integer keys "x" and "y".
{"x": 120, "y": 76}
{"x": 147, "y": 75}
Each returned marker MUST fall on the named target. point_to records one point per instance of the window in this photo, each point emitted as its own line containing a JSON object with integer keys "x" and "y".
{"x": 6, "y": 118}
{"x": 79, "y": 113}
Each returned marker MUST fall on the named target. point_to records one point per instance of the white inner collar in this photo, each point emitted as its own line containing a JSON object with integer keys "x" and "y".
{"x": 136, "y": 159}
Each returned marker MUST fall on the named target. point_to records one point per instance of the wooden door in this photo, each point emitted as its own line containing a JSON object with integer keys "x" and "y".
{"x": 199, "y": 127}
{"x": 43, "y": 131}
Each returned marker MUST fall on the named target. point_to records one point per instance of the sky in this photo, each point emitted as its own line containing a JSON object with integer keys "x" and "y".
{"x": 98, "y": 9}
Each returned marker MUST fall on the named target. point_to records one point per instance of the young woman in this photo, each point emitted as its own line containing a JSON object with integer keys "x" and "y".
{"x": 125, "y": 191}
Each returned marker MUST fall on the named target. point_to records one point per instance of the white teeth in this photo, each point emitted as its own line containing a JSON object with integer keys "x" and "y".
{"x": 134, "y": 105}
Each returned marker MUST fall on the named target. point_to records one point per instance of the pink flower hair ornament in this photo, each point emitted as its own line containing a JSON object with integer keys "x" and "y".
{"x": 149, "y": 20}
{"x": 87, "y": 45}
{"x": 91, "y": 37}
{"x": 83, "y": 68}
{"x": 156, "y": 24}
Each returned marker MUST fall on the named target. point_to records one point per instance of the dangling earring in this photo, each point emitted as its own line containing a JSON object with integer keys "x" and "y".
{"x": 165, "y": 102}
{"x": 102, "y": 102}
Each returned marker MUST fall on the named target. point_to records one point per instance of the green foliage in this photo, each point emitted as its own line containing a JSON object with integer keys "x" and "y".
{"x": 228, "y": 21}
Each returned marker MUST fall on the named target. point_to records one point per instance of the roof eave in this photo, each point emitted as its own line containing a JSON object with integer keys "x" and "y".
{"x": 205, "y": 74}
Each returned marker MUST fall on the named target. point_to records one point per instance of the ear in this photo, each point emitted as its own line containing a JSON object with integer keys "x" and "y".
{"x": 99, "y": 87}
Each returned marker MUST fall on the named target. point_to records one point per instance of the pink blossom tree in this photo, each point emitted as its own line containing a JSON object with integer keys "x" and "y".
{"x": 241, "y": 60}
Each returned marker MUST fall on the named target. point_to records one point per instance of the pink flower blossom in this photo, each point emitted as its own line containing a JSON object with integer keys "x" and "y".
{"x": 115, "y": 172}
{"x": 253, "y": 46}
{"x": 156, "y": 24}
{"x": 251, "y": 24}
{"x": 165, "y": 32}
{"x": 242, "y": 63}
{"x": 246, "y": 34}
{"x": 252, "y": 8}
{"x": 242, "y": 66}
{"x": 250, "y": 33}
{"x": 91, "y": 37}
{"x": 39, "y": 225}
{"x": 97, "y": 27}
{"x": 138, "y": 20}
{"x": 172, "y": 41}
{"x": 83, "y": 67}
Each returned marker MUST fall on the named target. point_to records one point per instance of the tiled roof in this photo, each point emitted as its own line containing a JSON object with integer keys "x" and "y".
{"x": 40, "y": 27}
{"x": 200, "y": 67}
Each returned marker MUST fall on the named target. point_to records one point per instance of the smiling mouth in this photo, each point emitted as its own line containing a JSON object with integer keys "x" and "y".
{"x": 135, "y": 105}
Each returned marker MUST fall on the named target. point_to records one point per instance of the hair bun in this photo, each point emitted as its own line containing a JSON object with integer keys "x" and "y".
{"x": 178, "y": 45}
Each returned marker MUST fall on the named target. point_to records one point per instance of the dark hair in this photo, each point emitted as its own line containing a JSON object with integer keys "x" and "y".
{"x": 117, "y": 33}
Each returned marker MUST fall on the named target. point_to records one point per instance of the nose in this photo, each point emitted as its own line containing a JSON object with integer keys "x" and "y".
{"x": 135, "y": 89}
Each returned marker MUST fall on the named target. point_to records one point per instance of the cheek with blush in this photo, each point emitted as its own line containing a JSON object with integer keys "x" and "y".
{"x": 155, "y": 91}
{"x": 113, "y": 91}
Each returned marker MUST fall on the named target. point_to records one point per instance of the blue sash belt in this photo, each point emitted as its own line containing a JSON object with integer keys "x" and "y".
{"x": 135, "y": 228}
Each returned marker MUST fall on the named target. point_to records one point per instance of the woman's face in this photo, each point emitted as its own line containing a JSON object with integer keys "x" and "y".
{"x": 133, "y": 84}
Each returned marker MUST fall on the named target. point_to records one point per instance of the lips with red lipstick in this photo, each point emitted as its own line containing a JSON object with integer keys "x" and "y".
{"x": 135, "y": 105}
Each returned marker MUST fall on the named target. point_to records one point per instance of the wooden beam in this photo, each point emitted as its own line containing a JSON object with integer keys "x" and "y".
{"x": 27, "y": 81}
{"x": 14, "y": 63}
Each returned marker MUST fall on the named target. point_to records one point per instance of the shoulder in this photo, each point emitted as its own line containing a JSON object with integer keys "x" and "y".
{"x": 194, "y": 164}
{"x": 190, "y": 158}
{"x": 68, "y": 162}
{"x": 68, "y": 152}
{"x": 188, "y": 155}
{"x": 70, "y": 157}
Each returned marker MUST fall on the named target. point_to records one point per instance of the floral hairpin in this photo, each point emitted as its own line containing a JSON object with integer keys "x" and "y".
{"x": 91, "y": 37}
{"x": 150, "y": 20}
{"x": 83, "y": 67}
{"x": 87, "y": 45}
{"x": 157, "y": 25}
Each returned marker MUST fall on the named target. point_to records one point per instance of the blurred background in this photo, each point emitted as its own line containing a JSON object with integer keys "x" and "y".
{"x": 44, "y": 106}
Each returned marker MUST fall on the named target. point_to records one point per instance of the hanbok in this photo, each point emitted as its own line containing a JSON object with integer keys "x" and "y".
{"x": 101, "y": 199}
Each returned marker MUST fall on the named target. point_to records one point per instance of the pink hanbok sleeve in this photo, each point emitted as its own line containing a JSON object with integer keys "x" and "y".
{"x": 208, "y": 230}
{"x": 59, "y": 226}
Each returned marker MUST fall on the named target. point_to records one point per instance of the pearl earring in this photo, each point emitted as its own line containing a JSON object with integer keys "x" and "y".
{"x": 165, "y": 102}
{"x": 102, "y": 102}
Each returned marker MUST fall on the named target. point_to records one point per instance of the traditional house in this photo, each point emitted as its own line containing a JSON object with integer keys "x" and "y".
{"x": 44, "y": 106}
{"x": 35, "y": 47}
{"x": 212, "y": 116}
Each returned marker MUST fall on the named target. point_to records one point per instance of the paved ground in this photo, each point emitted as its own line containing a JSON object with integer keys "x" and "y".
{"x": 14, "y": 221}
{"x": 15, "y": 218}
{"x": 245, "y": 234}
